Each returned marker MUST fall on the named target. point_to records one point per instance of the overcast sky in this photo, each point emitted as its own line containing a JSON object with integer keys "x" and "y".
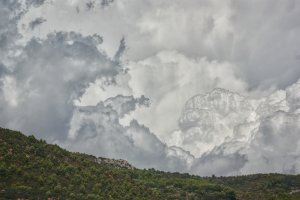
{"x": 139, "y": 80}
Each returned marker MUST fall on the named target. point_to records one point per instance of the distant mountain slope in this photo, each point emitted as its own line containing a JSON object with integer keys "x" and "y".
{"x": 33, "y": 169}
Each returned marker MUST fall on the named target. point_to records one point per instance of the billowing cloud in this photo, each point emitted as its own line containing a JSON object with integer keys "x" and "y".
{"x": 47, "y": 77}
{"x": 170, "y": 79}
{"x": 40, "y": 80}
{"x": 97, "y": 130}
{"x": 257, "y": 44}
{"x": 259, "y": 137}
{"x": 207, "y": 120}
{"x": 261, "y": 37}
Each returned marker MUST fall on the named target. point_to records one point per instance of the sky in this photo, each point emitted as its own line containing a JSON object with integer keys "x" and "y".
{"x": 204, "y": 87}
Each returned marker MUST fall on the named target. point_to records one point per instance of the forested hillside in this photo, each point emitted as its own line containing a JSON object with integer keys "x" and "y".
{"x": 33, "y": 169}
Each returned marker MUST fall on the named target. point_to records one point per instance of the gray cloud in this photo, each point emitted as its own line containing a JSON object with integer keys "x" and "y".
{"x": 121, "y": 50}
{"x": 103, "y": 3}
{"x": 267, "y": 41}
{"x": 260, "y": 37}
{"x": 106, "y": 2}
{"x": 123, "y": 105}
{"x": 33, "y": 24}
{"x": 219, "y": 164}
{"x": 272, "y": 148}
{"x": 9, "y": 15}
{"x": 90, "y": 5}
{"x": 48, "y": 76}
{"x": 97, "y": 130}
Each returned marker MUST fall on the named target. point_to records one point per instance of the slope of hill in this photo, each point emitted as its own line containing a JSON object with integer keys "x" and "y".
{"x": 33, "y": 169}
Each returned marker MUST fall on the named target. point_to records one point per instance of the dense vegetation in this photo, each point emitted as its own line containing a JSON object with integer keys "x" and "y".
{"x": 33, "y": 169}
{"x": 263, "y": 186}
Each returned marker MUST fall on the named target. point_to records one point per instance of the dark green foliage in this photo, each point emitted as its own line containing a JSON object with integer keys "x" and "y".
{"x": 33, "y": 169}
{"x": 263, "y": 186}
